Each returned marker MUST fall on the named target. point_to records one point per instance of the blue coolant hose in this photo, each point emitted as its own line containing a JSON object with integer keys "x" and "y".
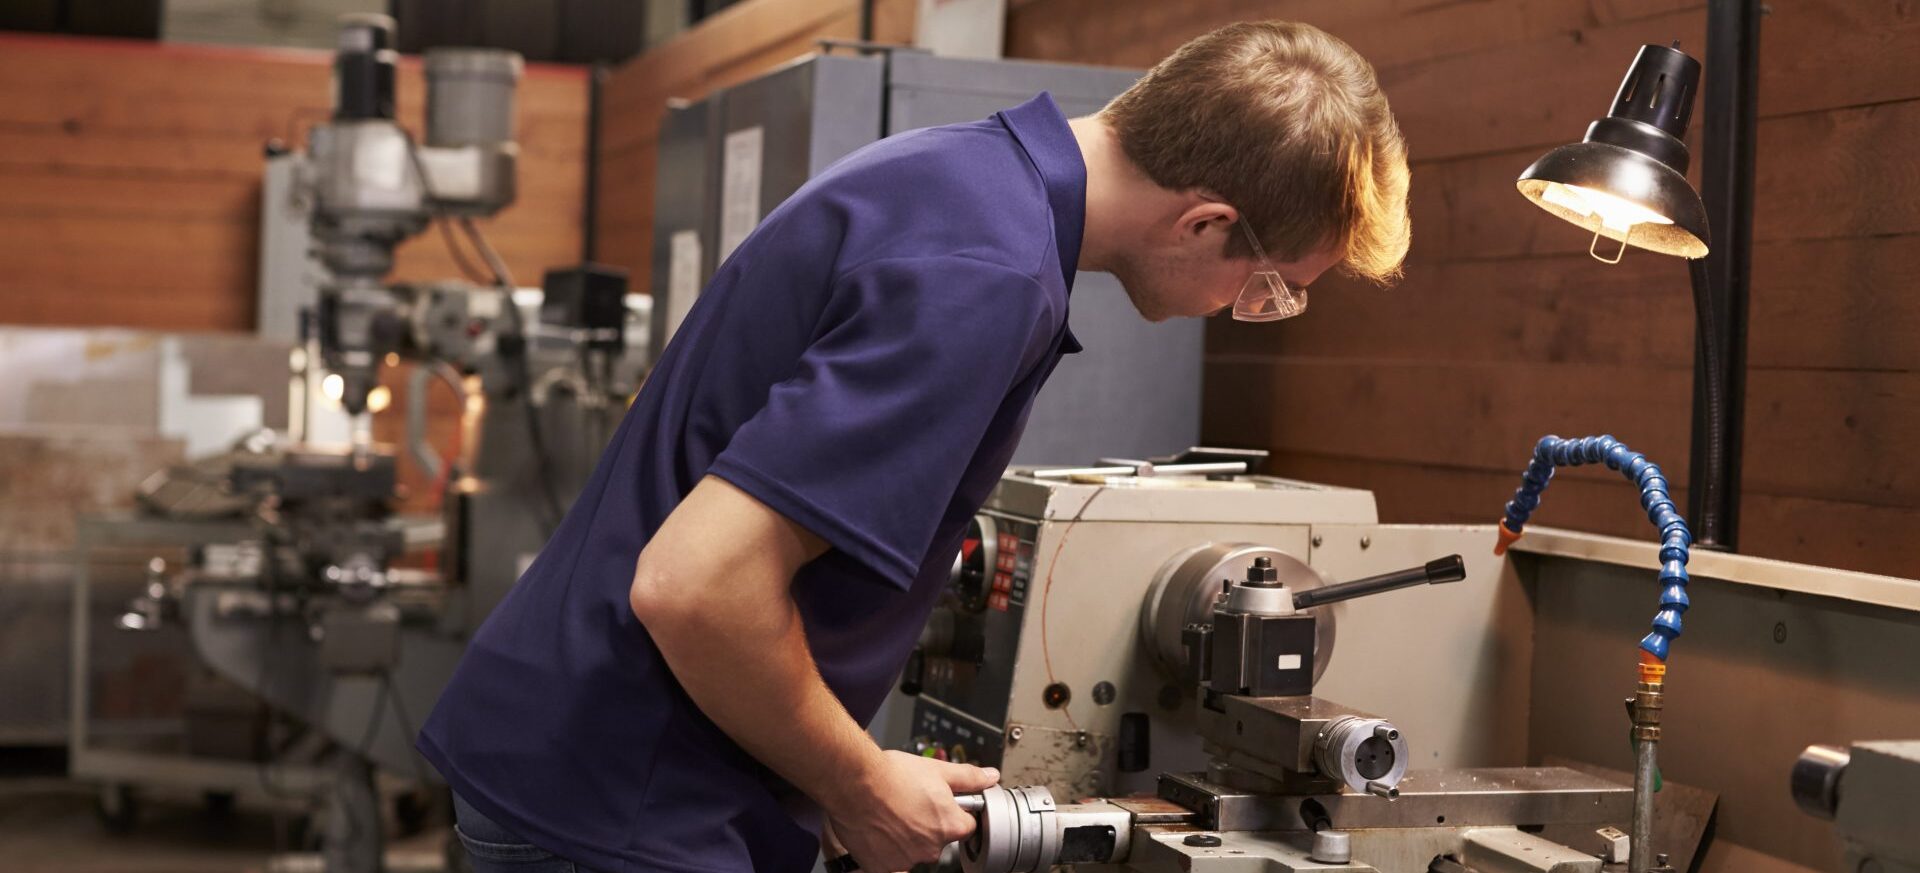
{"x": 1675, "y": 537}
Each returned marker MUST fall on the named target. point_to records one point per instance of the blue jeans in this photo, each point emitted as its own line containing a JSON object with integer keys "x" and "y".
{"x": 492, "y": 848}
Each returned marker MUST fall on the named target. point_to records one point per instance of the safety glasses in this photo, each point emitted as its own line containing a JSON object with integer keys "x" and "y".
{"x": 1266, "y": 296}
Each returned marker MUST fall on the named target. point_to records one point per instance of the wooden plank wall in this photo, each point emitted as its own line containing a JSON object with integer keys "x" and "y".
{"x": 737, "y": 44}
{"x": 130, "y": 177}
{"x": 1433, "y": 392}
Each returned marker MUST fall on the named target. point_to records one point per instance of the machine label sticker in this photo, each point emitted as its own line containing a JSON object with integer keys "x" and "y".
{"x": 740, "y": 187}
{"x": 1289, "y": 662}
{"x": 683, "y": 276}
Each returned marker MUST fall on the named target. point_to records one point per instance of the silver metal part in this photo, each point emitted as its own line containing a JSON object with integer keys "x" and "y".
{"x": 1332, "y": 847}
{"x": 1874, "y": 809}
{"x": 1143, "y": 469}
{"x": 1367, "y": 754}
{"x": 1287, "y": 738}
{"x": 1016, "y": 832}
{"x": 1489, "y": 797}
{"x": 470, "y": 155}
{"x": 1022, "y": 830}
{"x": 1507, "y": 850}
{"x": 1185, "y": 589}
{"x": 1645, "y": 767}
{"x": 1260, "y": 599}
{"x": 1815, "y": 782}
{"x": 470, "y": 96}
{"x": 368, "y": 195}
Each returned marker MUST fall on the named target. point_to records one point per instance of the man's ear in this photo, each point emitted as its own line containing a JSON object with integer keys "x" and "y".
{"x": 1203, "y": 217}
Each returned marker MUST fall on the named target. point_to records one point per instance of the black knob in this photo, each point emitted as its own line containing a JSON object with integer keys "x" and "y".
{"x": 915, "y": 676}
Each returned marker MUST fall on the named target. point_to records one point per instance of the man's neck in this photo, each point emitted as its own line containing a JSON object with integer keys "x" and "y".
{"x": 1118, "y": 194}
{"x": 1109, "y": 176}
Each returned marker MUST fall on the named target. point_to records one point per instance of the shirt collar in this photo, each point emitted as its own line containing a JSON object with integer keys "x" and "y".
{"x": 1041, "y": 129}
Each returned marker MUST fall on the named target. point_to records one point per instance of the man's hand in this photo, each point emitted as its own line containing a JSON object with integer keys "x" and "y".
{"x": 902, "y": 812}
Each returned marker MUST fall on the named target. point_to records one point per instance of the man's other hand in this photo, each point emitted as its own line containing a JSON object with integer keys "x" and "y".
{"x": 902, "y": 812}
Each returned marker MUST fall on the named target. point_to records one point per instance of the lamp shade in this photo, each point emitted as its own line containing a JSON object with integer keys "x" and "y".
{"x": 1627, "y": 180}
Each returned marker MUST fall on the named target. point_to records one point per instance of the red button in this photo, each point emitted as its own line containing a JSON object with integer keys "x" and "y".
{"x": 1002, "y": 582}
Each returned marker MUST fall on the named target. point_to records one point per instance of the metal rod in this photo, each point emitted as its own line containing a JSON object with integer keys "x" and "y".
{"x": 1143, "y": 470}
{"x": 1640, "y": 859}
{"x": 1447, "y": 569}
{"x": 1721, "y": 284}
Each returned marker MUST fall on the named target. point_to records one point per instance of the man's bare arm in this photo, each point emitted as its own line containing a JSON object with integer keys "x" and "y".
{"x": 713, "y": 589}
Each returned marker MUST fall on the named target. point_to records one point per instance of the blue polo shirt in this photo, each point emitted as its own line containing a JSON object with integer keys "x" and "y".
{"x": 863, "y": 364}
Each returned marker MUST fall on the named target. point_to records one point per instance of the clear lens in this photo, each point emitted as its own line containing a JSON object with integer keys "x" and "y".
{"x": 1266, "y": 296}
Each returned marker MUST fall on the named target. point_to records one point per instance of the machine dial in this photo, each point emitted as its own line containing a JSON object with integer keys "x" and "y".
{"x": 1184, "y": 590}
{"x": 972, "y": 577}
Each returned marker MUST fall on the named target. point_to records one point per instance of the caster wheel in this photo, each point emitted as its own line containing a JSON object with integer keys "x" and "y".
{"x": 116, "y": 808}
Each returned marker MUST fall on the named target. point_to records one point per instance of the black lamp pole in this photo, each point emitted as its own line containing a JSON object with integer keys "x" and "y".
{"x": 1720, "y": 280}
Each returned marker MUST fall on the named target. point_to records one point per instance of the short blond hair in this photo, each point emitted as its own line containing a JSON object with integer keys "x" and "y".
{"x": 1289, "y": 125}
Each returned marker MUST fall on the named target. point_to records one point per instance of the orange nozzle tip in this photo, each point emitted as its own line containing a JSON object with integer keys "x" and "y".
{"x": 1652, "y": 669}
{"x": 1506, "y": 539}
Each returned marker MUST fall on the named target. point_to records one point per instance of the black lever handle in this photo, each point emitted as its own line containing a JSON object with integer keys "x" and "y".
{"x": 1448, "y": 569}
{"x": 914, "y": 678}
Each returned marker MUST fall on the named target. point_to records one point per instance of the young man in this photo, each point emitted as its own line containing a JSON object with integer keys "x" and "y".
{"x": 679, "y": 681}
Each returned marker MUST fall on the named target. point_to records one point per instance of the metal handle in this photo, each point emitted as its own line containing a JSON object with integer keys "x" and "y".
{"x": 1448, "y": 569}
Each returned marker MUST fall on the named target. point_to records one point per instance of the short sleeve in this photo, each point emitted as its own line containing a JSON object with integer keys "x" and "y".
{"x": 867, "y": 443}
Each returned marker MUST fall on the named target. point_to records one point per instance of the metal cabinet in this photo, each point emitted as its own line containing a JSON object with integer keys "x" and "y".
{"x": 730, "y": 159}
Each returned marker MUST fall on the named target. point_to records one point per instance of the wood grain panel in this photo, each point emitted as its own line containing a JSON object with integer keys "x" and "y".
{"x": 1826, "y": 175}
{"x": 1481, "y": 416}
{"x": 1837, "y": 304}
{"x": 1868, "y": 538}
{"x": 1824, "y": 435}
{"x": 1448, "y": 67}
{"x": 1139, "y": 34}
{"x": 1548, "y": 309}
{"x": 129, "y": 177}
{"x": 1846, "y": 172}
{"x": 1475, "y": 104}
{"x": 1846, "y": 304}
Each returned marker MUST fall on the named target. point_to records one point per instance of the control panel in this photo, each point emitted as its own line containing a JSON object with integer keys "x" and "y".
{"x": 963, "y": 694}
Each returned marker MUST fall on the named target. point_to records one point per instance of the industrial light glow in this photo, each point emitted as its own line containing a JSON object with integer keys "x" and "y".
{"x": 334, "y": 387}
{"x": 379, "y": 398}
{"x": 1616, "y": 213}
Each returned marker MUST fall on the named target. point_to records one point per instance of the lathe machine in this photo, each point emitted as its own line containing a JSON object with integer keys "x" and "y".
{"x": 1150, "y": 660}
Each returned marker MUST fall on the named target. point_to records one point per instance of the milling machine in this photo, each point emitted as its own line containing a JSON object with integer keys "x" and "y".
{"x": 319, "y": 611}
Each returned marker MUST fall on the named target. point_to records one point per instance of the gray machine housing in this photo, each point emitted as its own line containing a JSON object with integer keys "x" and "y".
{"x": 1134, "y": 391}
